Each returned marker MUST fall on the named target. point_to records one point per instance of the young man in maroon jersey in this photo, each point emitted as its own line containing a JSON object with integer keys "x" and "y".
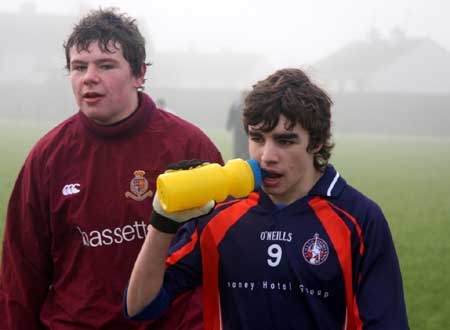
{"x": 307, "y": 251}
{"x": 79, "y": 210}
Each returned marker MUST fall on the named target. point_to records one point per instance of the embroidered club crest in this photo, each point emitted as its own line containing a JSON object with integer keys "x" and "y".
{"x": 315, "y": 250}
{"x": 139, "y": 187}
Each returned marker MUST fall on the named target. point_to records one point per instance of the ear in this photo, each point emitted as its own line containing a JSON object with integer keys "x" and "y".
{"x": 143, "y": 70}
{"x": 141, "y": 78}
{"x": 316, "y": 149}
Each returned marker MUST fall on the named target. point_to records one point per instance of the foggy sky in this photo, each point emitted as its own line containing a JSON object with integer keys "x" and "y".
{"x": 288, "y": 32}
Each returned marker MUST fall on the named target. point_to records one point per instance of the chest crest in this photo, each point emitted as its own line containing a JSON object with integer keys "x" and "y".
{"x": 139, "y": 187}
{"x": 315, "y": 250}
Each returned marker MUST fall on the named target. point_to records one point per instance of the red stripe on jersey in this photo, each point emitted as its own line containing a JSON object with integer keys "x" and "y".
{"x": 210, "y": 238}
{"x": 340, "y": 237}
{"x": 227, "y": 202}
{"x": 186, "y": 249}
{"x": 181, "y": 297}
{"x": 361, "y": 252}
{"x": 358, "y": 228}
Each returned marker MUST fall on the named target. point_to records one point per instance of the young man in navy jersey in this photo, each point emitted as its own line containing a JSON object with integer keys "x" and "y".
{"x": 307, "y": 251}
{"x": 79, "y": 210}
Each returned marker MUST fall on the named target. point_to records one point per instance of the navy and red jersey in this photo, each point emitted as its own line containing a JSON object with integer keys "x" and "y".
{"x": 326, "y": 261}
{"x": 77, "y": 218}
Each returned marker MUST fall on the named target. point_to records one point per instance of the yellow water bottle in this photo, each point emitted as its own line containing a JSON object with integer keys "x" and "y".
{"x": 186, "y": 189}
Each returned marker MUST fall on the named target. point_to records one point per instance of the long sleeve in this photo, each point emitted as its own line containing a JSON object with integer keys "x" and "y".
{"x": 186, "y": 312}
{"x": 26, "y": 269}
{"x": 380, "y": 295}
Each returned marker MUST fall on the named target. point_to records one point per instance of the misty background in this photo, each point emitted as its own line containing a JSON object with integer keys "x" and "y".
{"x": 386, "y": 64}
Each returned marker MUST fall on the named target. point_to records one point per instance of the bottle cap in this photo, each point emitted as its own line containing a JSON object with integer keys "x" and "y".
{"x": 256, "y": 172}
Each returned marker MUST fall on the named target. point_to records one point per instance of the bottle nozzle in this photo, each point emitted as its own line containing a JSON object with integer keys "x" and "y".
{"x": 257, "y": 173}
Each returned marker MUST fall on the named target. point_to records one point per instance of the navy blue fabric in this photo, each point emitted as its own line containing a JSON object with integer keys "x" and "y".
{"x": 152, "y": 310}
{"x": 280, "y": 269}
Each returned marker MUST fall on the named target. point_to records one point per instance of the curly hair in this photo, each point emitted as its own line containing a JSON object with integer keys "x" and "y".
{"x": 105, "y": 26}
{"x": 289, "y": 92}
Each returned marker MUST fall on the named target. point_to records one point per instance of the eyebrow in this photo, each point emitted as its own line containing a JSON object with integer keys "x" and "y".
{"x": 99, "y": 61}
{"x": 251, "y": 131}
{"x": 285, "y": 136}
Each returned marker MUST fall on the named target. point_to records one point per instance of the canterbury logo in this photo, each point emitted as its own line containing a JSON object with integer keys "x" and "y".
{"x": 70, "y": 189}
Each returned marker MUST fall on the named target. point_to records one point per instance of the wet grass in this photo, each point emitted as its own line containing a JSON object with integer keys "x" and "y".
{"x": 408, "y": 177}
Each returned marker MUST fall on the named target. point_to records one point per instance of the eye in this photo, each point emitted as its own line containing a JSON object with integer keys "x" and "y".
{"x": 78, "y": 67}
{"x": 106, "y": 66}
{"x": 256, "y": 139}
{"x": 285, "y": 142}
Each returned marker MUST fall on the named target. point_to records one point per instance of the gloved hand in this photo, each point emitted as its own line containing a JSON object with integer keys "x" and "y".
{"x": 169, "y": 222}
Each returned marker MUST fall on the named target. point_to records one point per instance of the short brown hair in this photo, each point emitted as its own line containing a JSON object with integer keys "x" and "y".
{"x": 105, "y": 26}
{"x": 289, "y": 92}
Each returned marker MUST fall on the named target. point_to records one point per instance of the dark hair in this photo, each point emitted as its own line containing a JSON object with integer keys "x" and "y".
{"x": 289, "y": 92}
{"x": 105, "y": 26}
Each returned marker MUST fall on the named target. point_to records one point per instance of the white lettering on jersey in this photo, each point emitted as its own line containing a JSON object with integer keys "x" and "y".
{"x": 118, "y": 235}
{"x": 241, "y": 285}
{"x": 288, "y": 286}
{"x": 277, "y": 286}
{"x": 275, "y": 236}
{"x": 312, "y": 292}
{"x": 71, "y": 189}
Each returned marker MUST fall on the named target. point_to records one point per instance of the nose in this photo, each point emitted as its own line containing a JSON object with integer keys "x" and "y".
{"x": 269, "y": 154}
{"x": 91, "y": 75}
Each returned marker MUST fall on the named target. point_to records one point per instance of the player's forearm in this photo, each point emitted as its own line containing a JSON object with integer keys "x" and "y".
{"x": 148, "y": 271}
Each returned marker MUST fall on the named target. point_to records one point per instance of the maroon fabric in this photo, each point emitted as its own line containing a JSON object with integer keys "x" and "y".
{"x": 75, "y": 223}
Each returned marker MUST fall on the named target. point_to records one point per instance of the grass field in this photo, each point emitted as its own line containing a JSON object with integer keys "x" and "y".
{"x": 409, "y": 178}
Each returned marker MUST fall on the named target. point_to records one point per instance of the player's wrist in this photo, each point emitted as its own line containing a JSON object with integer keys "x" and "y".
{"x": 164, "y": 224}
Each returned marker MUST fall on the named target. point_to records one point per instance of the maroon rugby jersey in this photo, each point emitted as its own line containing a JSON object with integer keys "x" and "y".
{"x": 78, "y": 216}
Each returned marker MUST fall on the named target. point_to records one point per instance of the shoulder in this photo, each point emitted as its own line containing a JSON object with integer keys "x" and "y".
{"x": 181, "y": 136}
{"x": 352, "y": 196}
{"x": 365, "y": 211}
{"x": 39, "y": 161}
{"x": 168, "y": 121}
{"x": 334, "y": 188}
{"x": 57, "y": 136}
{"x": 223, "y": 217}
{"x": 165, "y": 121}
{"x": 231, "y": 210}
{"x": 347, "y": 201}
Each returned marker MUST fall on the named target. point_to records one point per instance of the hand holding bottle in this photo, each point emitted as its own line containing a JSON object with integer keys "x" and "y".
{"x": 169, "y": 222}
{"x": 190, "y": 188}
{"x": 186, "y": 189}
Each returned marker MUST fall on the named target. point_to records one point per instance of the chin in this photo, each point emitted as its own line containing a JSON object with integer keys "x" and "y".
{"x": 96, "y": 117}
{"x": 270, "y": 190}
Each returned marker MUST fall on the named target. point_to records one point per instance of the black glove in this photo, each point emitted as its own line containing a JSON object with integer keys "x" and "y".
{"x": 186, "y": 164}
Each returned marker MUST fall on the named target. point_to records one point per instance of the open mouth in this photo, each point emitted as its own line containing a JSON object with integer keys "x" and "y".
{"x": 270, "y": 174}
{"x": 92, "y": 95}
{"x": 271, "y": 180}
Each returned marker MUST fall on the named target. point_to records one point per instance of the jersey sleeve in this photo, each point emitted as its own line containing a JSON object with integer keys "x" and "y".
{"x": 185, "y": 310}
{"x": 203, "y": 148}
{"x": 179, "y": 303}
{"x": 26, "y": 269}
{"x": 152, "y": 311}
{"x": 379, "y": 295}
{"x": 184, "y": 266}
{"x": 184, "y": 260}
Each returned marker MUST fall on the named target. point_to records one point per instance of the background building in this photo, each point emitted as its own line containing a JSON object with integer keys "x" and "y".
{"x": 396, "y": 85}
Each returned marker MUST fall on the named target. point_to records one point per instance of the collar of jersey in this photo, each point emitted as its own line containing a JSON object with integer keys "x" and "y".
{"x": 330, "y": 185}
{"x": 132, "y": 124}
